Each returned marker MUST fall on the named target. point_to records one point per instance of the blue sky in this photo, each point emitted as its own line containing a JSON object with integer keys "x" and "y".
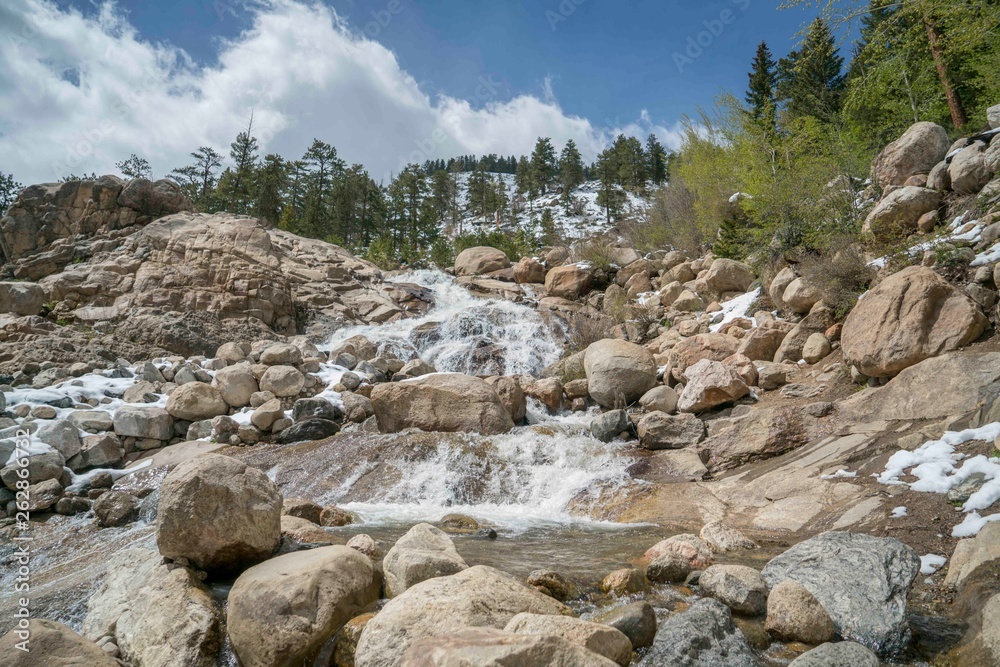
{"x": 386, "y": 81}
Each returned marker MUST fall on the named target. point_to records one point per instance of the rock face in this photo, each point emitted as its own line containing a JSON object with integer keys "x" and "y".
{"x": 282, "y": 611}
{"x": 921, "y": 147}
{"x": 218, "y": 513}
{"x": 423, "y": 553}
{"x": 710, "y": 384}
{"x": 52, "y": 645}
{"x": 861, "y": 582}
{"x": 488, "y": 647}
{"x": 159, "y": 617}
{"x": 21, "y": 298}
{"x": 478, "y": 597}
{"x": 599, "y": 638}
{"x": 448, "y": 402}
{"x": 480, "y": 260}
{"x": 899, "y": 211}
{"x": 618, "y": 372}
{"x": 702, "y": 636}
{"x": 913, "y": 315}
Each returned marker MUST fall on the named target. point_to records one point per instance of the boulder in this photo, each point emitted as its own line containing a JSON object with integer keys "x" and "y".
{"x": 739, "y": 587}
{"x": 819, "y": 319}
{"x": 690, "y": 547}
{"x": 568, "y": 282}
{"x": 414, "y": 368}
{"x": 839, "y": 654}
{"x": 62, "y": 435}
{"x": 282, "y": 611}
{"x": 626, "y": 581}
{"x": 710, "y": 384}
{"x": 51, "y": 644}
{"x": 702, "y": 636}
{"x": 116, "y": 508}
{"x": 861, "y": 581}
{"x": 529, "y": 270}
{"x": 618, "y": 372}
{"x": 477, "y": 597}
{"x": 726, "y": 275}
{"x": 688, "y": 302}
{"x": 800, "y": 296}
{"x": 795, "y": 615}
{"x": 993, "y": 116}
{"x": 159, "y": 616}
{"x": 511, "y": 395}
{"x": 314, "y": 428}
{"x": 688, "y": 352}
{"x": 780, "y": 282}
{"x": 195, "y": 401}
{"x": 658, "y": 430}
{"x": 42, "y": 467}
{"x": 668, "y": 568}
{"x": 139, "y": 422}
{"x": 816, "y": 349}
{"x": 922, "y": 146}
{"x": 447, "y": 402}
{"x": 422, "y": 553}
{"x": 599, "y": 638}
{"x": 968, "y": 170}
{"x": 912, "y": 315}
{"x": 899, "y": 211}
{"x": 637, "y": 621}
{"x": 662, "y": 399}
{"x": 939, "y": 179}
{"x": 236, "y": 384}
{"x": 761, "y": 344}
{"x": 552, "y": 584}
{"x": 98, "y": 451}
{"x": 312, "y": 408}
{"x": 281, "y": 354}
{"x": 972, "y": 553}
{"x": 218, "y": 513}
{"x": 303, "y": 531}
{"x": 282, "y": 381}
{"x": 721, "y": 538}
{"x": 548, "y": 390}
{"x": 489, "y": 647}
{"x": 480, "y": 260}
{"x": 21, "y": 298}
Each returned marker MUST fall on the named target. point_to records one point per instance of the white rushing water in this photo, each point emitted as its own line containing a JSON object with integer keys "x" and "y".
{"x": 472, "y": 335}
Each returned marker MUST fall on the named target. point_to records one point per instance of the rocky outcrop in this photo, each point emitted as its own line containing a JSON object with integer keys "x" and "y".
{"x": 921, "y": 147}
{"x": 282, "y": 611}
{"x": 423, "y": 553}
{"x": 618, "y": 372}
{"x": 861, "y": 581}
{"x": 218, "y": 514}
{"x": 448, "y": 402}
{"x": 913, "y": 315}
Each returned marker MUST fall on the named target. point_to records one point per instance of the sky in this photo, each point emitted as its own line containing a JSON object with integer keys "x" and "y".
{"x": 387, "y": 82}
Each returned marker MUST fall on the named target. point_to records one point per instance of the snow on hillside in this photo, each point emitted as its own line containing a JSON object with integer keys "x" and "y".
{"x": 589, "y": 220}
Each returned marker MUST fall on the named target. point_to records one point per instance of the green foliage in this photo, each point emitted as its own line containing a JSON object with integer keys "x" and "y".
{"x": 761, "y": 96}
{"x": 9, "y": 189}
{"x": 516, "y": 245}
{"x": 134, "y": 167}
{"x": 543, "y": 165}
{"x": 810, "y": 79}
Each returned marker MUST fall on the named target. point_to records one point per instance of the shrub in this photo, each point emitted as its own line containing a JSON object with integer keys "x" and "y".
{"x": 841, "y": 274}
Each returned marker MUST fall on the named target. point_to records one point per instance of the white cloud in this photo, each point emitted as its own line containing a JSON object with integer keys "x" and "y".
{"x": 78, "y": 93}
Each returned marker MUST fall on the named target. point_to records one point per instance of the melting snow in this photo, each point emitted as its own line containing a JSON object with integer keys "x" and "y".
{"x": 898, "y": 512}
{"x": 735, "y": 308}
{"x": 931, "y": 563}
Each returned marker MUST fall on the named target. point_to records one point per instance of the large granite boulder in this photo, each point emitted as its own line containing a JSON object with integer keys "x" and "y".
{"x": 618, "y": 372}
{"x": 480, "y": 260}
{"x": 448, "y": 402}
{"x": 702, "y": 636}
{"x": 922, "y": 146}
{"x": 51, "y": 644}
{"x": 422, "y": 553}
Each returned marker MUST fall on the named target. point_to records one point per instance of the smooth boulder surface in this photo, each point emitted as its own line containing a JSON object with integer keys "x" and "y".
{"x": 447, "y": 402}
{"x": 477, "y": 597}
{"x": 922, "y": 146}
{"x": 702, "y": 636}
{"x": 568, "y": 282}
{"x": 839, "y": 654}
{"x": 739, "y": 587}
{"x": 480, "y": 260}
{"x": 637, "y": 621}
{"x": 618, "y": 372}
{"x": 968, "y": 170}
{"x": 195, "y": 401}
{"x": 218, "y": 513}
{"x": 52, "y": 645}
{"x": 794, "y": 614}
{"x": 597, "y": 637}
{"x": 688, "y": 352}
{"x": 727, "y": 275}
{"x": 913, "y": 315}
{"x": 282, "y": 611}
{"x": 899, "y": 211}
{"x": 861, "y": 581}
{"x": 710, "y": 384}
{"x": 422, "y": 553}
{"x": 658, "y": 430}
{"x": 488, "y": 647}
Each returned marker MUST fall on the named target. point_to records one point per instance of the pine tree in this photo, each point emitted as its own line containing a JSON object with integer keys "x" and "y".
{"x": 760, "y": 96}
{"x": 134, "y": 167}
{"x": 522, "y": 179}
{"x": 810, "y": 79}
{"x": 198, "y": 179}
{"x": 609, "y": 196}
{"x": 543, "y": 165}
{"x": 656, "y": 155}
{"x": 9, "y": 189}
{"x": 239, "y": 183}
{"x": 272, "y": 179}
{"x": 549, "y": 236}
{"x": 570, "y": 170}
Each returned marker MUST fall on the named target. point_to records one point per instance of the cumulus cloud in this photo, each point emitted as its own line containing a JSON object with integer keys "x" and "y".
{"x": 79, "y": 92}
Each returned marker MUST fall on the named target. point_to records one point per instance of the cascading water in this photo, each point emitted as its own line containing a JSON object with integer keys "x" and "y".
{"x": 464, "y": 334}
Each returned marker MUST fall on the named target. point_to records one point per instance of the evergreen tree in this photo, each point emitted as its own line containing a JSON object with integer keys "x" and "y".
{"x": 134, "y": 167}
{"x": 322, "y": 169}
{"x": 632, "y": 164}
{"x": 657, "y": 158}
{"x": 543, "y": 165}
{"x": 760, "y": 96}
{"x": 198, "y": 179}
{"x": 548, "y": 236}
{"x": 570, "y": 170}
{"x": 523, "y": 181}
{"x": 272, "y": 180}
{"x": 810, "y": 79}
{"x": 237, "y": 184}
{"x": 9, "y": 189}
{"x": 609, "y": 196}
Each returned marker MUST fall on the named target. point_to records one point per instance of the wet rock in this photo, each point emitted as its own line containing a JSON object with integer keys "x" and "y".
{"x": 740, "y": 588}
{"x": 116, "y": 508}
{"x": 511, "y": 395}
{"x": 301, "y": 508}
{"x": 625, "y": 581}
{"x": 484, "y": 647}
{"x": 637, "y": 621}
{"x": 218, "y": 513}
{"x": 599, "y": 638}
{"x": 794, "y": 614}
{"x": 606, "y": 427}
{"x": 668, "y": 568}
{"x": 840, "y": 654}
{"x": 282, "y": 611}
{"x": 861, "y": 581}
{"x": 49, "y": 642}
{"x": 702, "y": 636}
{"x": 721, "y": 538}
{"x": 549, "y": 391}
{"x": 422, "y": 553}
{"x": 911, "y": 316}
{"x": 303, "y": 531}
{"x": 552, "y": 584}
{"x": 443, "y": 402}
{"x": 334, "y": 517}
{"x": 618, "y": 372}
{"x": 44, "y": 495}
{"x": 479, "y": 596}
{"x": 310, "y": 429}
{"x": 658, "y": 430}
